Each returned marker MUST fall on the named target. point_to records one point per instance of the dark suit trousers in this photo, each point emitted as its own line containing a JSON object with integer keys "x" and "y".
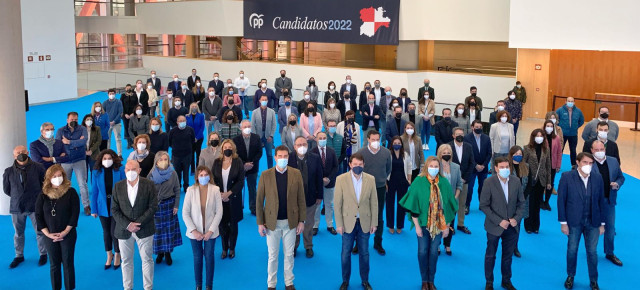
{"x": 125, "y": 128}
{"x": 108, "y": 234}
{"x": 61, "y": 254}
{"x": 532, "y": 223}
{"x": 181, "y": 165}
{"x": 573, "y": 143}
{"x": 251, "y": 185}
{"x": 395, "y": 189}
{"x": 509, "y": 240}
{"x": 472, "y": 182}
{"x": 382, "y": 192}
{"x": 196, "y": 147}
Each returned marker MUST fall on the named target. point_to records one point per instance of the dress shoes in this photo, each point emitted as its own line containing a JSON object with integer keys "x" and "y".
{"x": 344, "y": 286}
{"x": 315, "y": 231}
{"x": 16, "y": 261}
{"x": 232, "y": 254}
{"x": 159, "y": 258}
{"x": 43, "y": 260}
{"x": 290, "y": 287}
{"x": 380, "y": 250}
{"x": 167, "y": 258}
{"x": 366, "y": 286}
{"x": 87, "y": 210}
{"x": 614, "y": 260}
{"x": 309, "y": 253}
{"x": 507, "y": 285}
{"x": 332, "y": 231}
{"x": 594, "y": 285}
{"x": 464, "y": 230}
{"x": 224, "y": 254}
{"x": 488, "y": 286}
{"x": 516, "y": 253}
{"x": 568, "y": 283}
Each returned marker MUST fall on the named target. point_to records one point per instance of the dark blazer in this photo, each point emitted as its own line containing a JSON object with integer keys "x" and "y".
{"x": 143, "y": 100}
{"x": 157, "y": 86}
{"x": 335, "y": 96}
{"x": 443, "y": 132}
{"x": 217, "y": 86}
{"x": 392, "y": 130}
{"x": 342, "y": 108}
{"x": 571, "y": 195}
{"x": 282, "y": 116}
{"x": 271, "y": 97}
{"x": 496, "y": 208}
{"x": 314, "y": 187}
{"x": 191, "y": 82}
{"x": 23, "y": 195}
{"x": 432, "y": 93}
{"x": 468, "y": 161}
{"x": 615, "y": 175}
{"x": 282, "y": 84}
{"x": 175, "y": 86}
{"x": 365, "y": 119}
{"x": 187, "y": 97}
{"x": 330, "y": 168}
{"x": 492, "y": 118}
{"x": 362, "y": 99}
{"x": 39, "y": 150}
{"x": 254, "y": 154}
{"x": 235, "y": 182}
{"x": 482, "y": 156}
{"x": 610, "y": 148}
{"x": 142, "y": 212}
{"x": 404, "y": 103}
{"x": 236, "y": 110}
{"x": 353, "y": 90}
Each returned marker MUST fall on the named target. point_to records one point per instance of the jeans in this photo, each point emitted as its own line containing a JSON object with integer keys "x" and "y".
{"x": 472, "y": 182}
{"x": 206, "y": 249}
{"x": 288, "y": 237}
{"x": 61, "y": 254}
{"x": 211, "y": 126}
{"x": 19, "y": 223}
{"x": 573, "y": 143}
{"x": 609, "y": 228}
{"x": 426, "y": 132}
{"x": 80, "y": 169}
{"x": 362, "y": 239}
{"x": 181, "y": 166}
{"x": 383, "y": 128}
{"x": 117, "y": 128}
{"x": 377, "y": 238}
{"x": 428, "y": 255}
{"x": 90, "y": 163}
{"x": 268, "y": 148}
{"x": 328, "y": 209}
{"x": 145, "y": 248}
{"x": 251, "y": 186}
{"x": 515, "y": 128}
{"x": 591, "y": 235}
{"x": 108, "y": 234}
{"x": 509, "y": 241}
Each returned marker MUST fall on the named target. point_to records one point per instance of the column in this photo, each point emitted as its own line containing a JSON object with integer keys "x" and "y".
{"x": 192, "y": 44}
{"x": 407, "y": 55}
{"x": 425, "y": 54}
{"x": 229, "y": 47}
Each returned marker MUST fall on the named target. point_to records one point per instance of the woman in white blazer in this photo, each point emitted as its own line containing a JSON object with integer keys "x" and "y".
{"x": 501, "y": 135}
{"x": 202, "y": 222}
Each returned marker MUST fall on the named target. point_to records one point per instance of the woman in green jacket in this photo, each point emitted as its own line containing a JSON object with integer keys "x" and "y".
{"x": 431, "y": 206}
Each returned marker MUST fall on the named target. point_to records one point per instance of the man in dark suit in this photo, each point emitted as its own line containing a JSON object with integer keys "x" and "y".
{"x": 157, "y": 84}
{"x": 611, "y": 147}
{"x": 347, "y": 103}
{"x": 285, "y": 111}
{"x": 186, "y": 95}
{"x": 384, "y": 102}
{"x": 502, "y": 202}
{"x": 395, "y": 125}
{"x": 371, "y": 115}
{"x": 216, "y": 84}
{"x": 500, "y": 105}
{"x": 237, "y": 110}
{"x": 349, "y": 87}
{"x": 40, "y": 148}
{"x": 427, "y": 87}
{"x": 443, "y": 129}
{"x": 481, "y": 145}
{"x": 462, "y": 154}
{"x": 133, "y": 205}
{"x": 191, "y": 80}
{"x": 271, "y": 95}
{"x": 175, "y": 84}
{"x": 613, "y": 179}
{"x": 329, "y": 172}
{"x": 249, "y": 149}
{"x": 282, "y": 83}
{"x": 582, "y": 212}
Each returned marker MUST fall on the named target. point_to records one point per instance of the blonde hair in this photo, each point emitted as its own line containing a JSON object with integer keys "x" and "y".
{"x": 93, "y": 109}
{"x": 425, "y": 169}
{"x": 234, "y": 155}
{"x": 442, "y": 148}
{"x": 145, "y": 137}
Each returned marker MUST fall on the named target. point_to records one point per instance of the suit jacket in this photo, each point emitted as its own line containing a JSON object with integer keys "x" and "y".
{"x": 317, "y": 124}
{"x": 37, "y": 149}
{"x": 610, "y": 148}
{"x": 282, "y": 84}
{"x": 143, "y": 210}
{"x": 285, "y": 136}
{"x": 529, "y": 156}
{"x": 157, "y": 86}
{"x": 481, "y": 156}
{"x": 211, "y": 109}
{"x": 571, "y": 195}
{"x": 94, "y": 141}
{"x": 456, "y": 177}
{"x": 404, "y": 103}
{"x": 353, "y": 90}
{"x": 496, "y": 140}
{"x": 254, "y": 154}
{"x": 235, "y": 183}
{"x": 271, "y": 124}
{"x": 217, "y": 86}
{"x": 330, "y": 167}
{"x": 443, "y": 132}
{"x": 496, "y": 208}
{"x": 267, "y": 201}
{"x": 432, "y": 93}
{"x": 313, "y": 92}
{"x": 392, "y": 130}
{"x": 192, "y": 82}
{"x": 347, "y": 208}
{"x": 468, "y": 162}
{"x": 187, "y": 97}
{"x": 314, "y": 187}
{"x": 371, "y": 117}
{"x": 175, "y": 86}
{"x": 192, "y": 211}
{"x": 342, "y": 107}
{"x": 418, "y": 122}
{"x": 282, "y": 116}
{"x": 271, "y": 97}
{"x": 615, "y": 175}
{"x": 417, "y": 146}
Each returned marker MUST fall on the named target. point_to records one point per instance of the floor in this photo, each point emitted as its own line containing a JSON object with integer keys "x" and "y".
{"x": 542, "y": 265}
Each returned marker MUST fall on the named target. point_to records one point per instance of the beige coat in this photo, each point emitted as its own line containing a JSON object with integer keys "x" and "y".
{"x": 267, "y": 199}
{"x": 347, "y": 207}
{"x": 428, "y": 108}
{"x": 192, "y": 213}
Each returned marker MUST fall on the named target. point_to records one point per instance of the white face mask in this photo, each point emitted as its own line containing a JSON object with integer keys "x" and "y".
{"x": 519, "y": 86}
{"x": 215, "y": 78}
{"x": 132, "y": 175}
{"x": 539, "y": 140}
{"x": 302, "y": 150}
{"x": 549, "y": 130}
{"x": 141, "y": 146}
{"x": 169, "y": 96}
{"x": 178, "y": 103}
{"x": 107, "y": 163}
{"x": 603, "y": 134}
{"x": 553, "y": 121}
{"x": 48, "y": 134}
{"x": 332, "y": 87}
{"x": 512, "y": 97}
{"x": 57, "y": 181}
{"x": 246, "y": 131}
{"x": 88, "y": 123}
{"x": 263, "y": 85}
{"x": 175, "y": 79}
{"x": 375, "y": 144}
{"x": 111, "y": 97}
{"x": 229, "y": 85}
{"x": 153, "y": 76}
{"x": 503, "y": 119}
{"x": 410, "y": 132}
{"x": 241, "y": 75}
{"x": 332, "y": 105}
{"x": 460, "y": 111}
{"x": 599, "y": 155}
{"x": 500, "y": 108}
{"x": 306, "y": 97}
{"x": 98, "y": 109}
{"x": 138, "y": 112}
{"x": 138, "y": 86}
{"x": 211, "y": 94}
{"x": 586, "y": 169}
{"x": 198, "y": 84}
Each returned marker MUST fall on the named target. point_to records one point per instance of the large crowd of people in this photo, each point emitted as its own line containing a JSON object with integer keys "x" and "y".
{"x": 345, "y": 159}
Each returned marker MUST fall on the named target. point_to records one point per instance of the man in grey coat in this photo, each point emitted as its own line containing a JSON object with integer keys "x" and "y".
{"x": 282, "y": 83}
{"x": 211, "y": 107}
{"x": 264, "y": 123}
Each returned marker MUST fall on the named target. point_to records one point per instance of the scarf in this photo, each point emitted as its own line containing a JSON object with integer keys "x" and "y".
{"x": 435, "y": 222}
{"x": 136, "y": 156}
{"x": 48, "y": 143}
{"x": 159, "y": 176}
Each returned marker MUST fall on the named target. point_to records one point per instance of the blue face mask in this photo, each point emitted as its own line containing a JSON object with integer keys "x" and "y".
{"x": 357, "y": 170}
{"x": 388, "y": 93}
{"x": 517, "y": 158}
{"x": 182, "y": 125}
{"x": 332, "y": 130}
{"x": 203, "y": 180}
{"x": 282, "y": 163}
{"x": 287, "y": 104}
{"x": 397, "y": 146}
{"x": 264, "y": 103}
{"x": 504, "y": 172}
{"x": 322, "y": 143}
{"x": 433, "y": 171}
{"x": 570, "y": 104}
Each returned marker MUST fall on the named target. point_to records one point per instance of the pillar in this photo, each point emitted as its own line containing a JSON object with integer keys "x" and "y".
{"x": 425, "y": 54}
{"x": 271, "y": 49}
{"x": 191, "y": 44}
{"x": 12, "y": 80}
{"x": 407, "y": 55}
{"x": 229, "y": 47}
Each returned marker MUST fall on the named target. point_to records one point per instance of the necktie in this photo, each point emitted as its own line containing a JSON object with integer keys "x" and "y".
{"x": 323, "y": 157}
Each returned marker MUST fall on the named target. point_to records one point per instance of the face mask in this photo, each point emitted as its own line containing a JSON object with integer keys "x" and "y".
{"x": 332, "y": 87}
{"x": 48, "y": 134}
{"x": 203, "y": 180}
{"x": 228, "y": 152}
{"x": 107, "y": 163}
{"x": 377, "y": 85}
{"x": 149, "y": 87}
{"x": 138, "y": 112}
{"x": 111, "y": 97}
{"x": 312, "y": 83}
{"x": 57, "y": 181}
{"x": 169, "y": 95}
{"x": 349, "y": 120}
{"x": 586, "y": 169}
{"x": 517, "y": 158}
{"x": 599, "y": 155}
{"x": 473, "y": 94}
{"x": 155, "y": 128}
{"x": 371, "y": 102}
{"x": 214, "y": 143}
{"x": 163, "y": 164}
{"x": 138, "y": 86}
{"x": 397, "y": 146}
{"x": 409, "y": 132}
{"x": 153, "y": 76}
{"x": 539, "y": 140}
{"x": 322, "y": 143}
{"x": 504, "y": 172}
{"x": 570, "y": 104}
{"x": 175, "y": 79}
{"x": 184, "y": 87}
{"x": 348, "y": 81}
{"x": 215, "y": 78}
{"x": 549, "y": 130}
{"x": 311, "y": 110}
{"x": 512, "y": 97}
{"x": 23, "y": 157}
{"x": 367, "y": 88}
{"x": 459, "y": 138}
{"x": 302, "y": 150}
{"x": 230, "y": 102}
{"x": 246, "y": 131}
{"x": 503, "y": 119}
{"x": 403, "y": 94}
{"x": 211, "y": 94}
{"x": 412, "y": 112}
{"x": 472, "y": 104}
{"x": 73, "y": 124}
{"x": 398, "y": 115}
{"x": 553, "y": 121}
{"x": 394, "y": 105}
{"x": 433, "y": 171}
{"x": 426, "y": 96}
{"x": 332, "y": 105}
{"x": 132, "y": 175}
{"x": 307, "y": 97}
{"x": 447, "y": 119}
{"x": 446, "y": 157}
{"x": 230, "y": 92}
{"x": 500, "y": 108}
{"x": 477, "y": 131}
{"x": 287, "y": 104}
{"x": 241, "y": 75}
{"x": 282, "y": 75}
{"x": 229, "y": 85}
{"x": 282, "y": 163}
{"x": 604, "y": 115}
{"x": 264, "y": 103}
{"x": 178, "y": 103}
{"x": 375, "y": 144}
{"x": 141, "y": 146}
{"x": 88, "y": 123}
{"x": 460, "y": 111}
{"x": 198, "y": 84}
{"x": 357, "y": 170}
{"x": 182, "y": 125}
{"x": 388, "y": 93}
{"x": 347, "y": 96}
{"x": 332, "y": 130}
{"x": 230, "y": 118}
{"x": 519, "y": 86}
{"x": 98, "y": 109}
{"x": 603, "y": 134}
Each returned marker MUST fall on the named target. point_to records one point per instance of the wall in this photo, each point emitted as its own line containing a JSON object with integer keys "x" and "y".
{"x": 495, "y": 57}
{"x": 48, "y": 29}
{"x": 536, "y": 82}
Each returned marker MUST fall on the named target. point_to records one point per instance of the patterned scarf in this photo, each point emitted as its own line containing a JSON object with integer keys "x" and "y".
{"x": 49, "y": 143}
{"x": 435, "y": 222}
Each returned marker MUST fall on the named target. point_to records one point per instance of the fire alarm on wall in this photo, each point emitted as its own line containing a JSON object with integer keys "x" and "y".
{"x": 538, "y": 66}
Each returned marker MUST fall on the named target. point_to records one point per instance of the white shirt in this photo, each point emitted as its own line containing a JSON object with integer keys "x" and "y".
{"x": 212, "y": 99}
{"x": 357, "y": 185}
{"x": 241, "y": 83}
{"x": 287, "y": 111}
{"x": 347, "y": 106}
{"x": 412, "y": 153}
{"x": 585, "y": 180}
{"x": 225, "y": 178}
{"x": 278, "y": 169}
{"x": 132, "y": 192}
{"x": 472, "y": 116}
{"x": 458, "y": 150}
{"x": 505, "y": 188}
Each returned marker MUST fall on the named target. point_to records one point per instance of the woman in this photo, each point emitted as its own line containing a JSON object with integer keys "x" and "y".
{"x": 167, "y": 234}
{"x": 432, "y": 207}
{"x": 520, "y": 170}
{"x": 451, "y": 171}
{"x": 411, "y": 144}
{"x": 555, "y": 143}
{"x": 212, "y": 152}
{"x": 553, "y": 117}
{"x": 365, "y": 93}
{"x": 404, "y": 100}
{"x": 399, "y": 181}
{"x": 101, "y": 119}
{"x": 143, "y": 97}
{"x": 159, "y": 140}
{"x": 311, "y": 124}
{"x": 153, "y": 100}
{"x": 228, "y": 175}
{"x": 291, "y": 132}
{"x": 237, "y": 101}
{"x": 460, "y": 117}
{"x": 394, "y": 103}
{"x": 142, "y": 154}
{"x": 331, "y": 92}
{"x": 331, "y": 112}
{"x": 198, "y": 94}
{"x": 195, "y": 120}
{"x": 426, "y": 108}
{"x": 536, "y": 155}
{"x": 139, "y": 124}
{"x": 57, "y": 211}
{"x": 473, "y": 112}
{"x": 93, "y": 141}
{"x": 202, "y": 212}
{"x": 351, "y": 132}
{"x": 501, "y": 135}
{"x": 229, "y": 126}
{"x": 105, "y": 175}
{"x": 312, "y": 89}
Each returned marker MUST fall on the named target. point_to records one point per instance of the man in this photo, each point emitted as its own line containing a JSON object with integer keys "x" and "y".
{"x": 357, "y": 216}
{"x": 329, "y": 164}
{"x": 377, "y": 162}
{"x": 462, "y": 155}
{"x": 443, "y": 129}
{"x": 349, "y": 87}
{"x": 191, "y": 80}
{"x": 113, "y": 108}
{"x": 263, "y": 123}
{"x": 378, "y": 90}
{"x": 186, "y": 95}
{"x": 264, "y": 90}
{"x": 514, "y": 108}
{"x": 395, "y": 124}
{"x": 47, "y": 150}
{"x": 521, "y": 93}
{"x": 280, "y": 213}
{"x": 175, "y": 84}
{"x": 416, "y": 119}
{"x": 503, "y": 205}
{"x": 613, "y": 179}
{"x": 285, "y": 111}
{"x": 129, "y": 102}
{"x": 371, "y": 115}
{"x": 611, "y": 147}
{"x": 306, "y": 100}
{"x": 74, "y": 137}
{"x": 481, "y": 146}
{"x": 347, "y": 104}
{"x": 249, "y": 149}
{"x": 336, "y": 142}
{"x": 582, "y": 212}
{"x": 133, "y": 206}
{"x": 282, "y": 83}
{"x": 242, "y": 84}
{"x": 499, "y": 107}
{"x": 211, "y": 108}
{"x": 181, "y": 138}
{"x": 384, "y": 103}
{"x": 216, "y": 84}
{"x": 570, "y": 120}
{"x": 230, "y": 106}
{"x": 22, "y": 182}
{"x": 474, "y": 96}
{"x": 427, "y": 87}
{"x": 311, "y": 170}
{"x": 589, "y": 132}
{"x": 177, "y": 110}
{"x": 155, "y": 82}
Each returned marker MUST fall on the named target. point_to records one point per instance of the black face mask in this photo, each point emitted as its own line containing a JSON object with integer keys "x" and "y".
{"x": 230, "y": 117}
{"x": 311, "y": 111}
{"x": 73, "y": 124}
{"x": 285, "y": 94}
{"x": 349, "y": 120}
{"x": 292, "y": 123}
{"x": 398, "y": 115}
{"x": 346, "y": 97}
{"x": 215, "y": 143}
{"x": 477, "y": 130}
{"x": 412, "y": 112}
{"x": 282, "y": 75}
{"x": 22, "y": 157}
{"x": 459, "y": 138}
{"x": 446, "y": 157}
{"x": 473, "y": 94}
{"x": 228, "y": 152}
{"x": 604, "y": 115}
{"x": 403, "y": 94}
{"x": 472, "y": 104}
{"x": 230, "y": 102}
{"x": 312, "y": 82}
{"x": 447, "y": 119}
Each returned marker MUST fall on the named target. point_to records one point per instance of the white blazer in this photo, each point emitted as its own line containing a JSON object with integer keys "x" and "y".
{"x": 354, "y": 147}
{"x": 192, "y": 215}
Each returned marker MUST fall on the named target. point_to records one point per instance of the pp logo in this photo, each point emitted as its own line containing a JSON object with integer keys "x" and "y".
{"x": 255, "y": 20}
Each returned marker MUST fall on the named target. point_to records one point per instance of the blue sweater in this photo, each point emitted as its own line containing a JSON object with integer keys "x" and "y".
{"x": 98, "y": 196}
{"x": 77, "y": 148}
{"x": 113, "y": 108}
{"x": 197, "y": 123}
{"x": 103, "y": 123}
{"x": 577, "y": 120}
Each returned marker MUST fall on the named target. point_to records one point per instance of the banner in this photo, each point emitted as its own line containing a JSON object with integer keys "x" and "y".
{"x": 338, "y": 21}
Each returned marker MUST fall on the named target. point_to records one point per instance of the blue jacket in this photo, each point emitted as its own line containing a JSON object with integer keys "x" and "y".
{"x": 39, "y": 150}
{"x": 282, "y": 116}
{"x": 577, "y": 120}
{"x": 76, "y": 150}
{"x": 482, "y": 156}
{"x": 103, "y": 123}
{"x": 571, "y": 194}
{"x": 98, "y": 196}
{"x": 197, "y": 123}
{"x": 113, "y": 108}
{"x": 615, "y": 175}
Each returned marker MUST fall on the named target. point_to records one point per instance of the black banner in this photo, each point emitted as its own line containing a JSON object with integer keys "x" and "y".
{"x": 338, "y": 21}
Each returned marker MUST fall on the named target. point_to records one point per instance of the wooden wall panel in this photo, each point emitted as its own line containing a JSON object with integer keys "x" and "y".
{"x": 536, "y": 82}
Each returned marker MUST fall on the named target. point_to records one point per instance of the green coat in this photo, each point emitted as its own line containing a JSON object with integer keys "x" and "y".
{"x": 417, "y": 200}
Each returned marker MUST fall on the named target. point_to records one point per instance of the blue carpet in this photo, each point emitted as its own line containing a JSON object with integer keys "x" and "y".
{"x": 541, "y": 267}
